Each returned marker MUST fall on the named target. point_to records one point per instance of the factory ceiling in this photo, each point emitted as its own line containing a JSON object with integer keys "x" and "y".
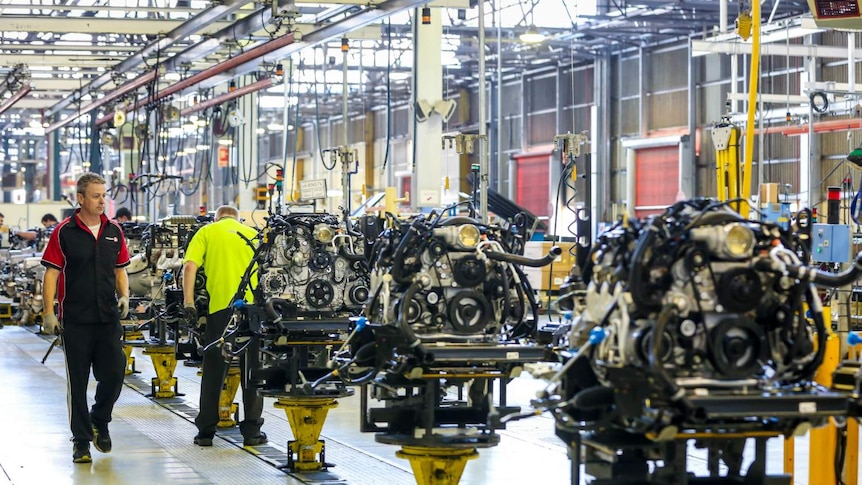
{"x": 102, "y": 54}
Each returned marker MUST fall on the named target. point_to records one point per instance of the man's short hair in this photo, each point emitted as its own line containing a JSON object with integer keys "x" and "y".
{"x": 227, "y": 211}
{"x": 49, "y": 218}
{"x": 123, "y": 212}
{"x": 87, "y": 179}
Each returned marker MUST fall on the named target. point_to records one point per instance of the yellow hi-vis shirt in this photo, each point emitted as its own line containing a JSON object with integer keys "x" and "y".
{"x": 225, "y": 256}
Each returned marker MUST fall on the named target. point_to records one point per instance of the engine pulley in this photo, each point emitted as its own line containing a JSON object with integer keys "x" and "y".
{"x": 320, "y": 260}
{"x": 735, "y": 347}
{"x": 740, "y": 290}
{"x": 470, "y": 312}
{"x": 469, "y": 272}
{"x": 319, "y": 293}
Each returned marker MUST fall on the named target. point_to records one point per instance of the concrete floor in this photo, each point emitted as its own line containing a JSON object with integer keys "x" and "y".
{"x": 153, "y": 441}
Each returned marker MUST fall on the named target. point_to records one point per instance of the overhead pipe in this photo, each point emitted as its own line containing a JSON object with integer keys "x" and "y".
{"x": 819, "y": 127}
{"x": 278, "y": 49}
{"x": 247, "y": 89}
{"x": 247, "y": 56}
{"x": 126, "y": 88}
{"x": 194, "y": 24}
{"x": 324, "y": 33}
{"x": 9, "y": 102}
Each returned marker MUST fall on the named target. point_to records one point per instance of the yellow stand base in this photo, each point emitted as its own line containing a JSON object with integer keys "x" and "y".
{"x": 165, "y": 363}
{"x": 306, "y": 416}
{"x": 128, "y": 336}
{"x": 437, "y": 466}
{"x": 227, "y": 409}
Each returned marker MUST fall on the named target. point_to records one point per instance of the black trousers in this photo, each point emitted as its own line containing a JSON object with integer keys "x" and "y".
{"x": 215, "y": 369}
{"x": 98, "y": 346}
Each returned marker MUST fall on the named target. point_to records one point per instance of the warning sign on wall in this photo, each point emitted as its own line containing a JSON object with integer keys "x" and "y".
{"x": 223, "y": 156}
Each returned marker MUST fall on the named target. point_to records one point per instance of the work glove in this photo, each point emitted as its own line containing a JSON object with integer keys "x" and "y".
{"x": 50, "y": 324}
{"x": 123, "y": 306}
{"x": 191, "y": 314}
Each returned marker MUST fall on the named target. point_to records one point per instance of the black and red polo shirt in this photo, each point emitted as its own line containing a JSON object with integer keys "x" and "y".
{"x": 87, "y": 287}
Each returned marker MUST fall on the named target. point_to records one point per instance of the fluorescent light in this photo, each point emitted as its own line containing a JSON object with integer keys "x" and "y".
{"x": 275, "y": 127}
{"x": 203, "y": 147}
{"x": 225, "y": 142}
{"x": 532, "y": 36}
{"x": 172, "y": 76}
{"x": 260, "y": 131}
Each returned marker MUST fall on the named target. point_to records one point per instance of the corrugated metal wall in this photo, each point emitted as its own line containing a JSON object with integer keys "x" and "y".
{"x": 538, "y": 105}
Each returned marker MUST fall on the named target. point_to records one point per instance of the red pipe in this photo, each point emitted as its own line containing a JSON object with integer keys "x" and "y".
{"x": 15, "y": 98}
{"x": 220, "y": 68}
{"x": 126, "y": 88}
{"x": 262, "y": 84}
{"x": 819, "y": 127}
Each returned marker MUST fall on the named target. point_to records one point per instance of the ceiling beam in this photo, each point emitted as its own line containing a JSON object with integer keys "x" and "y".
{"x": 700, "y": 47}
{"x": 182, "y": 31}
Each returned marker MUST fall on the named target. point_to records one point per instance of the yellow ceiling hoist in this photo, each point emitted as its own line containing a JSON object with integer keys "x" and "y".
{"x": 734, "y": 180}
{"x": 728, "y": 171}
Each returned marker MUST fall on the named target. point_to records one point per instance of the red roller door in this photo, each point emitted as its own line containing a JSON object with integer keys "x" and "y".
{"x": 533, "y": 174}
{"x": 657, "y": 184}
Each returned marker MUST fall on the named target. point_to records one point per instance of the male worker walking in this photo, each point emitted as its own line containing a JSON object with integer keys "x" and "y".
{"x": 85, "y": 260}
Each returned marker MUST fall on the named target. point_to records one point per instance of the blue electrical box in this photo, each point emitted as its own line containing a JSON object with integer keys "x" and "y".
{"x": 830, "y": 243}
{"x": 776, "y": 213}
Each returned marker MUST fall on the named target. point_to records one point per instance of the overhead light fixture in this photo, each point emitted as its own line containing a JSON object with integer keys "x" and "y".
{"x": 532, "y": 35}
{"x": 260, "y": 131}
{"x": 275, "y": 127}
{"x": 203, "y": 147}
{"x": 172, "y": 76}
{"x": 225, "y": 142}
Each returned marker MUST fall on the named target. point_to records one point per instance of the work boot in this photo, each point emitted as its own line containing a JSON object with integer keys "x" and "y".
{"x": 101, "y": 438}
{"x": 255, "y": 441}
{"x": 81, "y": 452}
{"x": 204, "y": 440}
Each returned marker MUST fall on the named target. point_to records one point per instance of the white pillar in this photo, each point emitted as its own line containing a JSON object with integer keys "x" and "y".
{"x": 428, "y": 134}
{"x": 246, "y": 148}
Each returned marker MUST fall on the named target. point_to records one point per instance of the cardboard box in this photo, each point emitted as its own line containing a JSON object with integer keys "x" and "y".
{"x": 768, "y": 193}
{"x": 551, "y": 276}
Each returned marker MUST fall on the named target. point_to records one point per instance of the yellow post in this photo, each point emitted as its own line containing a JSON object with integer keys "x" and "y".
{"x": 437, "y": 466}
{"x": 165, "y": 363}
{"x": 851, "y": 460}
{"x": 752, "y": 107}
{"x": 821, "y": 454}
{"x": 306, "y": 416}
{"x": 226, "y": 407}
{"x": 789, "y": 456}
{"x": 130, "y": 334}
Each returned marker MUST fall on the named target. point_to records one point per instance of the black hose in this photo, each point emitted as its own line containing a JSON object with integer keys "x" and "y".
{"x": 822, "y": 108}
{"x": 637, "y": 283}
{"x": 534, "y": 263}
{"x": 820, "y": 326}
{"x": 404, "y": 325}
{"x": 820, "y": 278}
{"x": 342, "y": 251}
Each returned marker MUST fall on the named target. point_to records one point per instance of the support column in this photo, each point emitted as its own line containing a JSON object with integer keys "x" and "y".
{"x": 54, "y": 163}
{"x": 688, "y": 160}
{"x": 428, "y": 134}
{"x": 600, "y": 166}
{"x": 247, "y": 159}
{"x": 809, "y": 164}
{"x": 643, "y": 87}
{"x": 95, "y": 145}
